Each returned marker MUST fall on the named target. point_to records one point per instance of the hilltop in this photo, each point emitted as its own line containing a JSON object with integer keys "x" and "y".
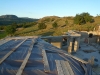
{"x": 9, "y": 19}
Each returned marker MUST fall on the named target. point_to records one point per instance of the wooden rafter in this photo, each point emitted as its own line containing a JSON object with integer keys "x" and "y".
{"x": 45, "y": 60}
{"x": 20, "y": 70}
{"x": 10, "y": 52}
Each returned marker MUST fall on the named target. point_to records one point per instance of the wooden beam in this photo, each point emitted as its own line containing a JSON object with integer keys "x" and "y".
{"x": 45, "y": 60}
{"x": 59, "y": 67}
{"x": 69, "y": 68}
{"x": 69, "y": 62}
{"x": 64, "y": 67}
{"x": 10, "y": 52}
{"x": 20, "y": 70}
{"x": 76, "y": 58}
{"x": 4, "y": 41}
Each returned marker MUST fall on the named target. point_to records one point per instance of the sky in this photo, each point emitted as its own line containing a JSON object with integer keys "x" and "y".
{"x": 42, "y": 8}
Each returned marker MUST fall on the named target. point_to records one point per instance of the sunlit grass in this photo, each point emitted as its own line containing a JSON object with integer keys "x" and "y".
{"x": 34, "y": 31}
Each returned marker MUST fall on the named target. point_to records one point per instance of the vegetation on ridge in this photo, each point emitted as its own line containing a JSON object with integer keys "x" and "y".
{"x": 54, "y": 25}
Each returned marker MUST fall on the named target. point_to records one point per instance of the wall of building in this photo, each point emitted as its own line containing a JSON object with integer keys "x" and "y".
{"x": 85, "y": 36}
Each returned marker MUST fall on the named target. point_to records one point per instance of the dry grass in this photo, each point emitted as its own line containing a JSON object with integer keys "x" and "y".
{"x": 58, "y": 31}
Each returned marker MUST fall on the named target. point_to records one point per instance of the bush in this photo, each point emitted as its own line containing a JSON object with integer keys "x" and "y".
{"x": 54, "y": 25}
{"x": 42, "y": 26}
{"x": 10, "y": 30}
{"x": 83, "y": 18}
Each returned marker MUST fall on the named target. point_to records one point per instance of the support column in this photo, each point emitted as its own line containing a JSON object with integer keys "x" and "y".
{"x": 76, "y": 44}
{"x": 70, "y": 46}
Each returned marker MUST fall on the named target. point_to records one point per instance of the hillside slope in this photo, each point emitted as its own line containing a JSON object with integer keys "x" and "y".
{"x": 64, "y": 24}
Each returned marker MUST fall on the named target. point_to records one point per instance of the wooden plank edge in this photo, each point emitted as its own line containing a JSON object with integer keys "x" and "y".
{"x": 10, "y": 52}
{"x": 20, "y": 70}
{"x": 45, "y": 60}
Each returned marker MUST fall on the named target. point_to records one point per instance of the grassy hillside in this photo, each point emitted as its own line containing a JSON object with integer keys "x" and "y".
{"x": 64, "y": 24}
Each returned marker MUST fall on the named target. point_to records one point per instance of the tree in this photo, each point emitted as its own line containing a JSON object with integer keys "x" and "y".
{"x": 14, "y": 25}
{"x": 83, "y": 18}
{"x": 54, "y": 25}
{"x": 79, "y": 19}
{"x": 42, "y": 26}
{"x": 87, "y": 17}
{"x": 24, "y": 25}
{"x": 10, "y": 30}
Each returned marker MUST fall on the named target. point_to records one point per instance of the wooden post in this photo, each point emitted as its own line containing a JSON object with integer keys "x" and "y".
{"x": 76, "y": 44}
{"x": 70, "y": 46}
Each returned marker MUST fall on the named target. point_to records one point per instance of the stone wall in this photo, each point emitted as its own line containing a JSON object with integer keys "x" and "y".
{"x": 85, "y": 35}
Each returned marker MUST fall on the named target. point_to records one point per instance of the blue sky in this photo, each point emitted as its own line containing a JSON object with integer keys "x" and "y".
{"x": 42, "y": 8}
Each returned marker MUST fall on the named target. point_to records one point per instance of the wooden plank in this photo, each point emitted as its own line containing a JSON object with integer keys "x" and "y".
{"x": 69, "y": 68}
{"x": 59, "y": 67}
{"x": 4, "y": 41}
{"x": 69, "y": 62}
{"x": 64, "y": 67}
{"x": 10, "y": 52}
{"x": 76, "y": 58}
{"x": 20, "y": 70}
{"x": 45, "y": 60}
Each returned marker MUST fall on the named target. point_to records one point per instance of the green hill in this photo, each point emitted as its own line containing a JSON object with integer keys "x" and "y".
{"x": 64, "y": 24}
